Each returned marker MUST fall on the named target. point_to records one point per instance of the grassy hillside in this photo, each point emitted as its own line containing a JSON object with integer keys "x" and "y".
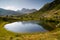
{"x": 6, "y": 35}
{"x": 49, "y": 17}
{"x": 50, "y": 6}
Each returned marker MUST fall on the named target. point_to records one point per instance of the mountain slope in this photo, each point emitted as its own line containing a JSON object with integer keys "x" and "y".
{"x": 4, "y": 12}
{"x": 24, "y": 10}
{"x": 50, "y": 6}
{"x": 50, "y": 18}
{"x": 49, "y": 15}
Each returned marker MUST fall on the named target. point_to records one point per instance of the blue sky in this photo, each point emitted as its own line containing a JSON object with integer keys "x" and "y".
{"x": 19, "y": 4}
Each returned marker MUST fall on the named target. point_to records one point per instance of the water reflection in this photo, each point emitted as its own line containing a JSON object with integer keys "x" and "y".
{"x": 24, "y": 27}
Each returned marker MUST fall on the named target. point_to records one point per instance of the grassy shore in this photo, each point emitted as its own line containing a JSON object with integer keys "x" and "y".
{"x": 6, "y": 35}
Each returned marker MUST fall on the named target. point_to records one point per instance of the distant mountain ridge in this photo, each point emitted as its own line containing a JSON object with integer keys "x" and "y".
{"x": 4, "y": 12}
{"x": 24, "y": 10}
{"x": 48, "y": 15}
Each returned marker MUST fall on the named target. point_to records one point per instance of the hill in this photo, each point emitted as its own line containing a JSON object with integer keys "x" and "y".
{"x": 49, "y": 17}
{"x": 24, "y": 10}
{"x": 4, "y": 12}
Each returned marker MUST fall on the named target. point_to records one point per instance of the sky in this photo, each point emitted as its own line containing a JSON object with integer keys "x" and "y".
{"x": 19, "y": 4}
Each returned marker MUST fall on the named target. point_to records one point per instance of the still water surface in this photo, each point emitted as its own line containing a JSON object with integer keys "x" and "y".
{"x": 24, "y": 27}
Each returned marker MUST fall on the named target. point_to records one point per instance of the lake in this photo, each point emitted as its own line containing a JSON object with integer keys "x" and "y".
{"x": 24, "y": 27}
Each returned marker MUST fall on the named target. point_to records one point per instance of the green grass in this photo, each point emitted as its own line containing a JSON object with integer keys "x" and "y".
{"x": 7, "y": 35}
{"x": 48, "y": 19}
